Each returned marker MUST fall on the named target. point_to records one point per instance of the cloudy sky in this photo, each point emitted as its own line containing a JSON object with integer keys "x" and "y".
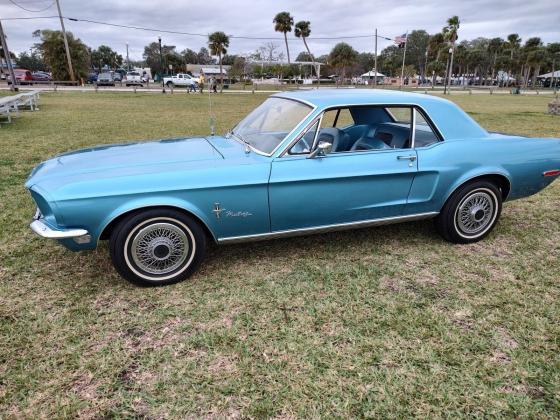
{"x": 329, "y": 18}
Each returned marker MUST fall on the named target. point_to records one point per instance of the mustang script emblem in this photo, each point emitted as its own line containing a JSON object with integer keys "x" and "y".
{"x": 229, "y": 213}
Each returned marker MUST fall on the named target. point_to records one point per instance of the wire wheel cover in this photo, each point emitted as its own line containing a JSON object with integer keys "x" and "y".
{"x": 160, "y": 248}
{"x": 475, "y": 213}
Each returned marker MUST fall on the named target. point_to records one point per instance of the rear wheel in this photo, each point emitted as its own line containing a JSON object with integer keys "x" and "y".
{"x": 157, "y": 247}
{"x": 170, "y": 84}
{"x": 470, "y": 213}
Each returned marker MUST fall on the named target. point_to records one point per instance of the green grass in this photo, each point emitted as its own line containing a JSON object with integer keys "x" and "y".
{"x": 384, "y": 322}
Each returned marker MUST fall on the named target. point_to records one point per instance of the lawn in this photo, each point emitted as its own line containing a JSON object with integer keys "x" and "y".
{"x": 383, "y": 322}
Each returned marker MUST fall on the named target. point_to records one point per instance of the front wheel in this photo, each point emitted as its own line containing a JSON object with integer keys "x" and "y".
{"x": 470, "y": 213}
{"x": 157, "y": 247}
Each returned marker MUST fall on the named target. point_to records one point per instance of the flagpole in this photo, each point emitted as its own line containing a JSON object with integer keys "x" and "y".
{"x": 403, "y": 58}
{"x": 375, "y": 63}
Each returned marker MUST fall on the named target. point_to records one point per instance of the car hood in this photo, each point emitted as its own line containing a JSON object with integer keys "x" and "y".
{"x": 119, "y": 159}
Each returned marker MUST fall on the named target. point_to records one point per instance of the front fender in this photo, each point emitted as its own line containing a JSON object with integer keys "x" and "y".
{"x": 146, "y": 202}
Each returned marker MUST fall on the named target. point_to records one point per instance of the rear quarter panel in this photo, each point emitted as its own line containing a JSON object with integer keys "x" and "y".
{"x": 445, "y": 166}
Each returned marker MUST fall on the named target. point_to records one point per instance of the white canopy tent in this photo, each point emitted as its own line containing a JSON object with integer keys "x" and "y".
{"x": 370, "y": 75}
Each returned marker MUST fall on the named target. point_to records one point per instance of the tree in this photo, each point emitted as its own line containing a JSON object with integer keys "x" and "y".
{"x": 303, "y": 30}
{"x": 450, "y": 34}
{"x": 218, "y": 42}
{"x": 51, "y": 48}
{"x": 283, "y": 22}
{"x": 204, "y": 57}
{"x": 190, "y": 56}
{"x": 237, "y": 70}
{"x": 31, "y": 61}
{"x": 416, "y": 47}
{"x": 105, "y": 56}
{"x": 303, "y": 56}
{"x": 495, "y": 47}
{"x": 168, "y": 56}
{"x": 343, "y": 56}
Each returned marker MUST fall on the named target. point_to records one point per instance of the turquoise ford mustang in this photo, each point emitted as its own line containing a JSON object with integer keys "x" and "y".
{"x": 302, "y": 162}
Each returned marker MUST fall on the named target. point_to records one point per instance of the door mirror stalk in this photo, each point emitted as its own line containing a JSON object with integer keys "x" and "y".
{"x": 322, "y": 149}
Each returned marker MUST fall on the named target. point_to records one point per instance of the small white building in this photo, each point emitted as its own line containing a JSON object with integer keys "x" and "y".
{"x": 371, "y": 76}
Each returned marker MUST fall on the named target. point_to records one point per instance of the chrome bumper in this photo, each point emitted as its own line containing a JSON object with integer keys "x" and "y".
{"x": 45, "y": 231}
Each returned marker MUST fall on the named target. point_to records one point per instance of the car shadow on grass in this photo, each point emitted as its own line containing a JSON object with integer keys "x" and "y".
{"x": 95, "y": 266}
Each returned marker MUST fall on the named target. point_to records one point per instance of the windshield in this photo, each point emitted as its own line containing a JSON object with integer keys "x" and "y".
{"x": 266, "y": 127}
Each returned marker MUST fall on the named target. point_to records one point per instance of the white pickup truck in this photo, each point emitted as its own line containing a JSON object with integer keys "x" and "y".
{"x": 181, "y": 79}
{"x": 133, "y": 78}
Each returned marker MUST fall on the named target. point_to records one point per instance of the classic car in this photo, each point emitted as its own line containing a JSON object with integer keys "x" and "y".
{"x": 302, "y": 162}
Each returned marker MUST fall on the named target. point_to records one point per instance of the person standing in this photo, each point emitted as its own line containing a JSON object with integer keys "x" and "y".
{"x": 201, "y": 81}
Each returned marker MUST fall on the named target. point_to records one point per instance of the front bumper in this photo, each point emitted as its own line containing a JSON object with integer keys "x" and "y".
{"x": 45, "y": 231}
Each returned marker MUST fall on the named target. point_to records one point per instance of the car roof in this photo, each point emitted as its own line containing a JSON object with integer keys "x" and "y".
{"x": 451, "y": 121}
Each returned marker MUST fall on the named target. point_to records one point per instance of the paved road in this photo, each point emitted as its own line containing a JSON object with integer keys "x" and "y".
{"x": 157, "y": 89}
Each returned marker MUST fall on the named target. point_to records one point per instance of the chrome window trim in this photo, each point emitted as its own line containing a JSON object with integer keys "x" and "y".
{"x": 260, "y": 152}
{"x": 425, "y": 115}
{"x": 327, "y": 228}
{"x": 413, "y": 127}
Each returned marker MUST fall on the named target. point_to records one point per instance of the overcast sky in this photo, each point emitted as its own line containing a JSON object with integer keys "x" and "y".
{"x": 329, "y": 18}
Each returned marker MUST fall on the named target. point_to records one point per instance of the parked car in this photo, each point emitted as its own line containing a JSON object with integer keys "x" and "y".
{"x": 41, "y": 76}
{"x": 105, "y": 79}
{"x": 91, "y": 78}
{"x": 133, "y": 78}
{"x": 181, "y": 79}
{"x": 117, "y": 77}
{"x": 302, "y": 162}
{"x": 23, "y": 77}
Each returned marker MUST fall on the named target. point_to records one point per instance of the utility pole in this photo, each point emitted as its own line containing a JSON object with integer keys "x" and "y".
{"x": 8, "y": 59}
{"x": 68, "y": 58}
{"x": 127, "y": 60}
{"x": 161, "y": 65}
{"x": 375, "y": 62}
{"x": 403, "y": 58}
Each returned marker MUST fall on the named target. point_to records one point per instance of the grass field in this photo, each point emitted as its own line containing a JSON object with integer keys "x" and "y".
{"x": 384, "y": 322}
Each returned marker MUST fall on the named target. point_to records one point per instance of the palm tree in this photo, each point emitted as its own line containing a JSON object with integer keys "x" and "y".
{"x": 495, "y": 46}
{"x": 342, "y": 56}
{"x": 513, "y": 43}
{"x": 303, "y": 30}
{"x": 451, "y": 33}
{"x": 218, "y": 42}
{"x": 283, "y": 22}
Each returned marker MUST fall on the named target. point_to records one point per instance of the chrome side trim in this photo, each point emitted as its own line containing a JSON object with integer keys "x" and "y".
{"x": 326, "y": 228}
{"x": 43, "y": 230}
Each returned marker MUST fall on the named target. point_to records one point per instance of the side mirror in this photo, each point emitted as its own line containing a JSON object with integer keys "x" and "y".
{"x": 322, "y": 149}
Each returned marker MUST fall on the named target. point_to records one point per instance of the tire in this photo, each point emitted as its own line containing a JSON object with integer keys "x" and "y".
{"x": 471, "y": 212}
{"x": 170, "y": 84}
{"x": 173, "y": 245}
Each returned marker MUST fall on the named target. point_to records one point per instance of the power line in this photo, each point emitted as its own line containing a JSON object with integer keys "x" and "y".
{"x": 167, "y": 31}
{"x": 31, "y": 10}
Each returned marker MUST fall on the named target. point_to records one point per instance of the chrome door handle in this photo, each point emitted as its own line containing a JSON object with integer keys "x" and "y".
{"x": 412, "y": 158}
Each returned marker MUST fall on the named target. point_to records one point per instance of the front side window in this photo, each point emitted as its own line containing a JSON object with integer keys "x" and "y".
{"x": 267, "y": 125}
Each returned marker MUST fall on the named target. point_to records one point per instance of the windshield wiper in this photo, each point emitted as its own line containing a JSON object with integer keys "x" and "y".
{"x": 240, "y": 137}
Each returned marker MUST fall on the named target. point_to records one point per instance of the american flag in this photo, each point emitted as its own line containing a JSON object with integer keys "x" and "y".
{"x": 400, "y": 39}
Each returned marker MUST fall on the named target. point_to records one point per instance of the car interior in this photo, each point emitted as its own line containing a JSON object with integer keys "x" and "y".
{"x": 368, "y": 128}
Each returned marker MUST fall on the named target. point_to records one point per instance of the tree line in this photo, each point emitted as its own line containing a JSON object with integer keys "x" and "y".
{"x": 427, "y": 55}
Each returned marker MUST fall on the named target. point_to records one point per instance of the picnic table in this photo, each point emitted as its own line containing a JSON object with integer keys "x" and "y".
{"x": 10, "y": 105}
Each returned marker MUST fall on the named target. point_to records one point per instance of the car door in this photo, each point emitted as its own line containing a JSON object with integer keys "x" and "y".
{"x": 340, "y": 187}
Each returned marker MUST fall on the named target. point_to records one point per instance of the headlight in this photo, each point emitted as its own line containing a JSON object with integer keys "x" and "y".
{"x": 44, "y": 209}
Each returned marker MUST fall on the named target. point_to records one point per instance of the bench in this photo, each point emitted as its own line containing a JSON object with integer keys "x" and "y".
{"x": 10, "y": 105}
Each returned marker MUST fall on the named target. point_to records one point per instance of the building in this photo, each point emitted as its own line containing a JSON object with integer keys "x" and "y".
{"x": 370, "y": 77}
{"x": 209, "y": 70}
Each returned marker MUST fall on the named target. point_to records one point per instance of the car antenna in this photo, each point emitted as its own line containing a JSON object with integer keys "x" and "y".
{"x": 211, "y": 116}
